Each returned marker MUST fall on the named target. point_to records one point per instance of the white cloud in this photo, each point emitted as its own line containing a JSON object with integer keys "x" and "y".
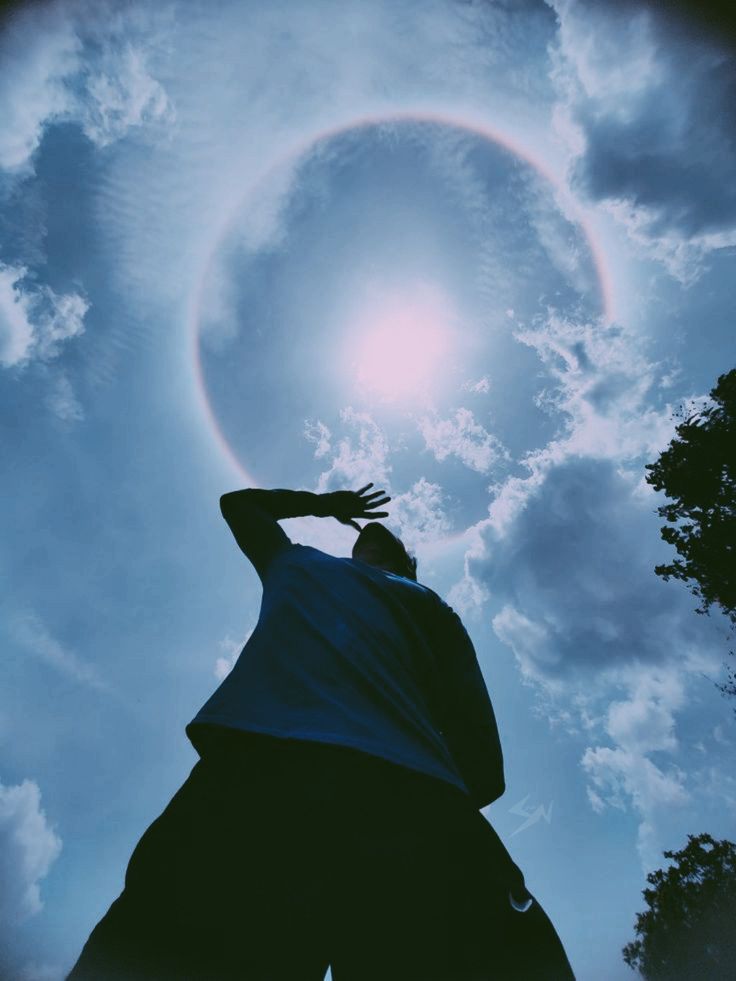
{"x": 27, "y": 629}
{"x": 120, "y": 94}
{"x": 34, "y": 320}
{"x": 480, "y": 387}
{"x": 28, "y": 849}
{"x": 641, "y": 724}
{"x": 16, "y": 330}
{"x": 38, "y": 49}
{"x": 530, "y": 640}
{"x": 316, "y": 432}
{"x": 231, "y": 652}
{"x": 419, "y": 513}
{"x": 645, "y": 721}
{"x": 359, "y": 458}
{"x": 463, "y": 437}
{"x": 467, "y": 595}
{"x": 511, "y": 495}
{"x": 620, "y": 774}
{"x": 603, "y": 382}
{"x": 596, "y": 802}
{"x": 63, "y": 401}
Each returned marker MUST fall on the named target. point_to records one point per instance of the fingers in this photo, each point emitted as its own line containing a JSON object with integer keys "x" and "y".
{"x": 369, "y": 497}
{"x": 376, "y": 504}
{"x": 376, "y": 514}
{"x": 364, "y": 488}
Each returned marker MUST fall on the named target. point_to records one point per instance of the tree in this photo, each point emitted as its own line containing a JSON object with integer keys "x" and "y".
{"x": 687, "y": 934}
{"x": 697, "y": 472}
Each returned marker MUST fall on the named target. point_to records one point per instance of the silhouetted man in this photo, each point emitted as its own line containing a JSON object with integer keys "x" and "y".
{"x": 333, "y": 815}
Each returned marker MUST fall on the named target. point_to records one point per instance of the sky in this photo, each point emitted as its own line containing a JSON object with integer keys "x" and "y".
{"x": 478, "y": 253}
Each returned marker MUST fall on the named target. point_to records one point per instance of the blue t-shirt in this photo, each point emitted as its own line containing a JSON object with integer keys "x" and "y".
{"x": 347, "y": 653}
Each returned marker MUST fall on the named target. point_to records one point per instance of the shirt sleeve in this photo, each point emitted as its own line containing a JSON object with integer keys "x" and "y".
{"x": 259, "y": 535}
{"x": 468, "y": 721}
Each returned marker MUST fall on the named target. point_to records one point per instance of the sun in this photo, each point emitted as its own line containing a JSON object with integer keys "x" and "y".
{"x": 398, "y": 342}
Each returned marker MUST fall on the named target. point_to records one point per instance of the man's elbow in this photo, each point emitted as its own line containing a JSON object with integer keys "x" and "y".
{"x": 230, "y": 501}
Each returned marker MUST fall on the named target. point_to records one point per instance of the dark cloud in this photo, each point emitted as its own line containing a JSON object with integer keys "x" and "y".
{"x": 655, "y": 103}
{"x": 574, "y": 574}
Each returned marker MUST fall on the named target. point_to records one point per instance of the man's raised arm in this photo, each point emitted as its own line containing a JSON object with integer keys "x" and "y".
{"x": 253, "y": 515}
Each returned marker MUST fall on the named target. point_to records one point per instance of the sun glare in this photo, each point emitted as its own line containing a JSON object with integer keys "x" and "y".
{"x": 398, "y": 342}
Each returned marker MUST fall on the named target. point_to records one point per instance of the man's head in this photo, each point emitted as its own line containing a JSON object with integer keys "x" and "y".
{"x": 377, "y": 546}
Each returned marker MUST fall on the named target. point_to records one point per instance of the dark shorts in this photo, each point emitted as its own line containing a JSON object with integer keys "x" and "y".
{"x": 277, "y": 858}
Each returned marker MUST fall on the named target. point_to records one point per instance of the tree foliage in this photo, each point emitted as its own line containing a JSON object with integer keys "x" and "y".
{"x": 697, "y": 472}
{"x": 688, "y": 931}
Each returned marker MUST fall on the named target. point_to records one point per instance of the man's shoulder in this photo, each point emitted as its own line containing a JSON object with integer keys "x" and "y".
{"x": 445, "y": 617}
{"x": 437, "y": 600}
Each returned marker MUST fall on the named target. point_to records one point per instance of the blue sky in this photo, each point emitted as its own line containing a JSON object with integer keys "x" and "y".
{"x": 476, "y": 253}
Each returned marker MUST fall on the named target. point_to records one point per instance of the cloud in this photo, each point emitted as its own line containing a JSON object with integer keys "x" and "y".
{"x": 34, "y": 320}
{"x": 63, "y": 402}
{"x": 76, "y": 63}
{"x": 27, "y": 629}
{"x": 316, "y": 432}
{"x": 602, "y": 387}
{"x": 419, "y": 513}
{"x": 16, "y": 330}
{"x": 639, "y": 725}
{"x": 464, "y": 438}
{"x": 622, "y": 774}
{"x": 584, "y": 615}
{"x": 567, "y": 555}
{"x": 28, "y": 849}
{"x": 468, "y": 595}
{"x": 232, "y": 649}
{"x": 480, "y": 387}
{"x": 360, "y": 457}
{"x": 645, "y": 721}
{"x": 38, "y": 49}
{"x": 573, "y": 569}
{"x": 633, "y": 81}
{"x": 120, "y": 93}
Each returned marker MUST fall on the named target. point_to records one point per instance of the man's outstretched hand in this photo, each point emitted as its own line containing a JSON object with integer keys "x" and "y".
{"x": 346, "y": 505}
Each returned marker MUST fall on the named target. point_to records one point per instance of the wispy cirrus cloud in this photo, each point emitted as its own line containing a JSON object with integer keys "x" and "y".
{"x": 29, "y": 631}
